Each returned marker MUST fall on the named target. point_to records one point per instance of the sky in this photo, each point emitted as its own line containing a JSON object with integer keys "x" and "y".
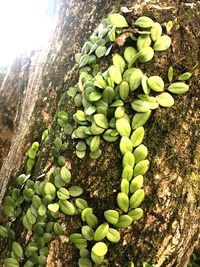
{"x": 24, "y": 25}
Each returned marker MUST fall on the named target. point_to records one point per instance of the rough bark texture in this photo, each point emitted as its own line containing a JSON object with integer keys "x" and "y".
{"x": 34, "y": 89}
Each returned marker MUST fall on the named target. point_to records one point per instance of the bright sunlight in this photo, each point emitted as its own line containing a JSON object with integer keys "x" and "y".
{"x": 24, "y": 26}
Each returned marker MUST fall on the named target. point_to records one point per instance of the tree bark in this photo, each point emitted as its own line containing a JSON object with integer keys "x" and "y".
{"x": 36, "y": 87}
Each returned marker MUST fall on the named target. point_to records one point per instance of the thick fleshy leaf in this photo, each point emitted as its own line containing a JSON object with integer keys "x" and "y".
{"x": 123, "y": 201}
{"x": 112, "y": 216}
{"x": 170, "y": 73}
{"x": 129, "y": 53}
{"x": 101, "y": 232}
{"x": 165, "y": 100}
{"x": 118, "y": 20}
{"x": 162, "y": 43}
{"x": 95, "y": 143}
{"x": 140, "y": 105}
{"x": 185, "y": 76}
{"x": 115, "y": 74}
{"x": 113, "y": 235}
{"x": 123, "y": 127}
{"x": 143, "y": 40}
{"x": 140, "y": 119}
{"x": 118, "y": 62}
{"x": 140, "y": 153}
{"x": 137, "y": 136}
{"x": 135, "y": 79}
{"x": 124, "y": 221}
{"x": 178, "y": 88}
{"x": 144, "y": 22}
{"x": 146, "y": 54}
{"x": 156, "y": 83}
{"x": 124, "y": 90}
{"x": 127, "y": 172}
{"x": 136, "y": 183}
{"x": 136, "y": 214}
{"x": 156, "y": 31}
{"x": 141, "y": 167}
{"x": 101, "y": 120}
{"x": 125, "y": 145}
{"x": 137, "y": 198}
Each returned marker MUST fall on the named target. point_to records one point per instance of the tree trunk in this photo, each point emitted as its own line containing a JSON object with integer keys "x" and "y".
{"x": 36, "y": 87}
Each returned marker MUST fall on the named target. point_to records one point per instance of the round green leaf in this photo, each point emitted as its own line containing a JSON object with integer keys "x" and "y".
{"x": 123, "y": 201}
{"x": 124, "y": 186}
{"x": 49, "y": 189}
{"x": 81, "y": 203}
{"x": 95, "y": 143}
{"x": 87, "y": 232}
{"x": 3, "y": 231}
{"x": 135, "y": 79}
{"x": 108, "y": 94}
{"x": 143, "y": 40}
{"x": 137, "y": 198}
{"x": 128, "y": 159}
{"x": 66, "y": 207}
{"x": 129, "y": 53}
{"x": 156, "y": 83}
{"x": 17, "y": 250}
{"x": 140, "y": 119}
{"x": 136, "y": 183}
{"x": 86, "y": 211}
{"x": 100, "y": 249}
{"x": 140, "y": 153}
{"x": 84, "y": 262}
{"x": 53, "y": 207}
{"x": 156, "y": 31}
{"x": 162, "y": 43}
{"x": 91, "y": 220}
{"x": 178, "y": 88}
{"x": 185, "y": 76}
{"x": 58, "y": 230}
{"x": 123, "y": 127}
{"x": 101, "y": 232}
{"x": 118, "y": 62}
{"x": 100, "y": 51}
{"x": 97, "y": 259}
{"x": 144, "y": 22}
{"x": 111, "y": 216}
{"x": 65, "y": 174}
{"x": 117, "y": 20}
{"x": 140, "y": 106}
{"x": 113, "y": 235}
{"x": 42, "y": 210}
{"x": 10, "y": 262}
{"x": 101, "y": 120}
{"x": 125, "y": 145}
{"x": 141, "y": 167}
{"x": 115, "y": 74}
{"x": 137, "y": 136}
{"x": 124, "y": 221}
{"x": 127, "y": 172}
{"x": 146, "y": 54}
{"x": 75, "y": 191}
{"x": 136, "y": 214}
{"x": 165, "y": 100}
{"x": 124, "y": 90}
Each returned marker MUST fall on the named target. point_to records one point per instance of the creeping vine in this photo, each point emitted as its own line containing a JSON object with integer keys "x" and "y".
{"x": 102, "y": 100}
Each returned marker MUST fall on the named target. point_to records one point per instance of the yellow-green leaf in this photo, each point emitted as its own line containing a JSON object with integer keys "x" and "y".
{"x": 117, "y": 20}
{"x": 123, "y": 201}
{"x": 115, "y": 74}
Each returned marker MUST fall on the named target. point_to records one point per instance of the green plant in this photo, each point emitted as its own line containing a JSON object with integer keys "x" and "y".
{"x": 102, "y": 101}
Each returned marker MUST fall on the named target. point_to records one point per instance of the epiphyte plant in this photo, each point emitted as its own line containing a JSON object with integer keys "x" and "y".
{"x": 103, "y": 100}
